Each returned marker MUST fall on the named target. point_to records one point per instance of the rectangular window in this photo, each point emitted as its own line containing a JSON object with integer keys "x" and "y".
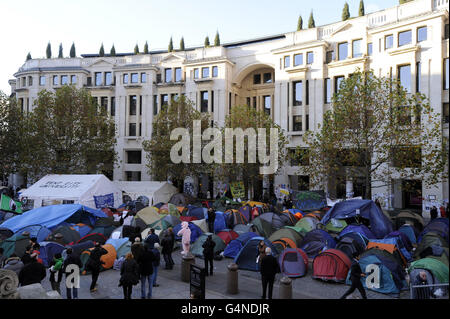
{"x": 108, "y": 78}
{"x": 356, "y": 48}
{"x": 42, "y": 80}
{"x": 267, "y": 77}
{"x": 98, "y": 78}
{"x": 421, "y": 34}
{"x": 287, "y": 61}
{"x": 257, "y": 79}
{"x": 309, "y": 57}
{"x": 143, "y": 77}
{"x": 329, "y": 56}
{"x": 196, "y": 74}
{"x": 89, "y": 81}
{"x": 342, "y": 51}
{"x": 404, "y": 77}
{"x": 307, "y": 92}
{"x": 215, "y": 71}
{"x": 297, "y": 123}
{"x": 404, "y": 38}
{"x": 177, "y": 74}
{"x": 445, "y": 74}
{"x": 125, "y": 78}
{"x": 104, "y": 104}
{"x": 267, "y": 103}
{"x": 407, "y": 156}
{"x": 64, "y": 79}
{"x": 164, "y": 100}
{"x": 113, "y": 106}
{"x": 30, "y": 81}
{"x": 134, "y": 78}
{"x": 140, "y": 105}
{"x": 158, "y": 78}
{"x": 132, "y": 129}
{"x": 337, "y": 83}
{"x": 248, "y": 101}
{"x": 155, "y": 104}
{"x": 133, "y": 103}
{"x": 255, "y": 102}
{"x": 307, "y": 122}
{"x": 212, "y": 101}
{"x": 55, "y": 80}
{"x": 297, "y": 93}
{"x": 446, "y": 31}
{"x": 73, "y": 79}
{"x": 388, "y": 41}
{"x": 369, "y": 49}
{"x": 445, "y": 113}
{"x": 204, "y": 97}
{"x": 134, "y": 157}
{"x": 205, "y": 73}
{"x": 298, "y": 59}
{"x": 168, "y": 75}
{"x": 418, "y": 76}
{"x": 133, "y": 176}
{"x": 327, "y": 91}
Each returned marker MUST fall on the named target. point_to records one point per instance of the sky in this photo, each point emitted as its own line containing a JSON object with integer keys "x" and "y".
{"x": 29, "y": 25}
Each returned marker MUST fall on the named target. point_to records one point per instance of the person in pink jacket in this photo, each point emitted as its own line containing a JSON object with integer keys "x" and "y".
{"x": 185, "y": 234}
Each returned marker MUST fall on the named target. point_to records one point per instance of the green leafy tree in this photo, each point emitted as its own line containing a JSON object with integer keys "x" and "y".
{"x": 376, "y": 131}
{"x": 29, "y": 56}
{"x": 112, "y": 52}
{"x": 146, "y": 48}
{"x": 170, "y": 48}
{"x": 101, "y": 52}
{"x": 361, "y": 8}
{"x": 181, "y": 113}
{"x": 69, "y": 133}
{"x": 300, "y": 23}
{"x": 182, "y": 48}
{"x": 73, "y": 53}
{"x": 345, "y": 12}
{"x": 60, "y": 52}
{"x": 48, "y": 51}
{"x": 311, "y": 22}
{"x": 136, "y": 49}
{"x": 217, "y": 39}
{"x": 207, "y": 44}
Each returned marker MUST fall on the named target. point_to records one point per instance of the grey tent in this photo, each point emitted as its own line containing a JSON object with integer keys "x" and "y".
{"x": 181, "y": 199}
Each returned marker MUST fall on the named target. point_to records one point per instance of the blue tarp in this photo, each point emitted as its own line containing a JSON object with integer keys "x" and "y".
{"x": 51, "y": 216}
{"x": 380, "y": 225}
{"x": 39, "y": 232}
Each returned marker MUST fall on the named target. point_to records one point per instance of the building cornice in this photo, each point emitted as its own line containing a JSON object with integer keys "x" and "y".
{"x": 301, "y": 46}
{"x": 350, "y": 61}
{"x": 207, "y": 61}
{"x": 62, "y": 69}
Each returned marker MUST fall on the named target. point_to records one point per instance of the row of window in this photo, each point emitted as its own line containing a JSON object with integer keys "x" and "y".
{"x": 206, "y": 72}
{"x": 298, "y": 59}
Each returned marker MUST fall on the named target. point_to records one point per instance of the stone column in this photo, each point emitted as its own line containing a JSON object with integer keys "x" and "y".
{"x": 232, "y": 279}
{"x": 286, "y": 288}
{"x": 186, "y": 267}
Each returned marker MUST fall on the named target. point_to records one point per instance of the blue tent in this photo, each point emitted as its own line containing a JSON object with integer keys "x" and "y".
{"x": 51, "y": 216}
{"x": 219, "y": 222}
{"x": 438, "y": 225}
{"x": 195, "y": 231}
{"x": 360, "y": 229}
{"x": 380, "y": 225}
{"x": 397, "y": 242}
{"x": 38, "y": 231}
{"x": 195, "y": 211}
{"x": 235, "y": 246}
{"x": 48, "y": 250}
{"x": 316, "y": 241}
{"x": 246, "y": 258}
{"x": 409, "y": 231}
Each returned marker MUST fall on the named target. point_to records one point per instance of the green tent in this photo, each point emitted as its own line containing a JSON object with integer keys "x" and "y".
{"x": 438, "y": 268}
{"x": 263, "y": 227}
{"x": 15, "y": 244}
{"x": 197, "y": 249}
{"x": 149, "y": 215}
{"x": 160, "y": 224}
{"x": 443, "y": 257}
{"x": 429, "y": 239}
{"x": 306, "y": 224}
{"x": 335, "y": 225}
{"x": 169, "y": 209}
{"x": 287, "y": 232}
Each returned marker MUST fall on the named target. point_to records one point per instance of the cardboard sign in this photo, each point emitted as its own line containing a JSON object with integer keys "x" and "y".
{"x": 237, "y": 189}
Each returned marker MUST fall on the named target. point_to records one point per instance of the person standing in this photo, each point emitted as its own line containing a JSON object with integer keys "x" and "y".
{"x": 13, "y": 263}
{"x": 433, "y": 213}
{"x": 208, "y": 254}
{"x": 261, "y": 252}
{"x": 129, "y": 275}
{"x": 211, "y": 219}
{"x": 32, "y": 273}
{"x": 137, "y": 248}
{"x": 355, "y": 278}
{"x": 151, "y": 239}
{"x": 167, "y": 243}
{"x": 422, "y": 292}
{"x": 185, "y": 234}
{"x": 145, "y": 263}
{"x": 56, "y": 272}
{"x": 269, "y": 268}
{"x": 71, "y": 259}
{"x": 156, "y": 263}
{"x": 94, "y": 264}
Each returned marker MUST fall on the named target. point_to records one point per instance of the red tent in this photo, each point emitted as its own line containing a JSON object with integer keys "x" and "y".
{"x": 227, "y": 235}
{"x": 331, "y": 265}
{"x": 188, "y": 218}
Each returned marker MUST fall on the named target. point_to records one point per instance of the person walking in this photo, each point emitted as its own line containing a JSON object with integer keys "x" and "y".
{"x": 167, "y": 243}
{"x": 208, "y": 254}
{"x": 71, "y": 259}
{"x": 137, "y": 248}
{"x": 145, "y": 263}
{"x": 156, "y": 263}
{"x": 151, "y": 239}
{"x": 129, "y": 275}
{"x": 269, "y": 268}
{"x": 94, "y": 264}
{"x": 33, "y": 272}
{"x": 56, "y": 272}
{"x": 355, "y": 278}
{"x": 211, "y": 219}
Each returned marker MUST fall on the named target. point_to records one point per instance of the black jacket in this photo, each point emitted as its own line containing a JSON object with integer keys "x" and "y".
{"x": 72, "y": 259}
{"x": 355, "y": 270}
{"x": 211, "y": 216}
{"x": 167, "y": 244}
{"x": 150, "y": 241}
{"x": 129, "y": 272}
{"x": 94, "y": 262}
{"x": 32, "y": 273}
{"x": 145, "y": 262}
{"x": 269, "y": 266}
{"x": 208, "y": 248}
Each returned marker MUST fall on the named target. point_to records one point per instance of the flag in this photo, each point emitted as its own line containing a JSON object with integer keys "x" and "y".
{"x": 8, "y": 204}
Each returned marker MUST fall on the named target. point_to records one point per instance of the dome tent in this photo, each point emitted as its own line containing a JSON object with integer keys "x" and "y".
{"x": 197, "y": 249}
{"x": 331, "y": 265}
{"x": 293, "y": 262}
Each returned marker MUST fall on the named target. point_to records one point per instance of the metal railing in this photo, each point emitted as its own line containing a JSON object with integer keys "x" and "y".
{"x": 429, "y": 291}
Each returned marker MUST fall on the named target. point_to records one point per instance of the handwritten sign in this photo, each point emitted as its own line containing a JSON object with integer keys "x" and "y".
{"x": 237, "y": 189}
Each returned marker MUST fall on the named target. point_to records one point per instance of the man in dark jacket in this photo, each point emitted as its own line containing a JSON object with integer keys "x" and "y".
{"x": 211, "y": 219}
{"x": 167, "y": 243}
{"x": 269, "y": 268}
{"x": 94, "y": 264}
{"x": 156, "y": 263}
{"x": 208, "y": 254}
{"x": 32, "y": 273}
{"x": 151, "y": 239}
{"x": 433, "y": 213}
{"x": 71, "y": 259}
{"x": 355, "y": 277}
{"x": 145, "y": 262}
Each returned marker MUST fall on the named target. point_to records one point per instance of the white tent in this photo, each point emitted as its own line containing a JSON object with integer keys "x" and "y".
{"x": 156, "y": 192}
{"x": 93, "y": 191}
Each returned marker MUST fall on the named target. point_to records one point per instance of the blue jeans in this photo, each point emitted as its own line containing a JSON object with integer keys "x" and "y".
{"x": 149, "y": 279}
{"x": 154, "y": 275}
{"x": 72, "y": 293}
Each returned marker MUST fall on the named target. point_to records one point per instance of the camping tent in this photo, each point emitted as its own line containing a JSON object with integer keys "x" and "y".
{"x": 306, "y": 224}
{"x": 155, "y": 191}
{"x": 316, "y": 241}
{"x": 219, "y": 222}
{"x": 331, "y": 265}
{"x": 410, "y": 231}
{"x": 234, "y": 217}
{"x": 288, "y": 235}
{"x": 68, "y": 234}
{"x": 438, "y": 225}
{"x": 48, "y": 250}
{"x": 15, "y": 244}
{"x": 352, "y": 243}
{"x": 436, "y": 267}
{"x": 202, "y": 224}
{"x": 235, "y": 246}
{"x": 293, "y": 262}
{"x": 51, "y": 216}
{"x": 380, "y": 224}
{"x": 195, "y": 231}
{"x": 409, "y": 217}
{"x": 246, "y": 258}
{"x": 428, "y": 240}
{"x": 149, "y": 215}
{"x": 37, "y": 231}
{"x": 242, "y": 229}
{"x": 107, "y": 259}
{"x": 360, "y": 229}
{"x": 197, "y": 249}
{"x": 181, "y": 199}
{"x": 121, "y": 245}
{"x": 263, "y": 226}
{"x": 94, "y": 191}
{"x": 227, "y": 235}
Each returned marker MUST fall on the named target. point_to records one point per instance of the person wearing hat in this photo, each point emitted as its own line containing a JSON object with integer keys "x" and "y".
{"x": 355, "y": 277}
{"x": 33, "y": 272}
{"x": 269, "y": 268}
{"x": 94, "y": 264}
